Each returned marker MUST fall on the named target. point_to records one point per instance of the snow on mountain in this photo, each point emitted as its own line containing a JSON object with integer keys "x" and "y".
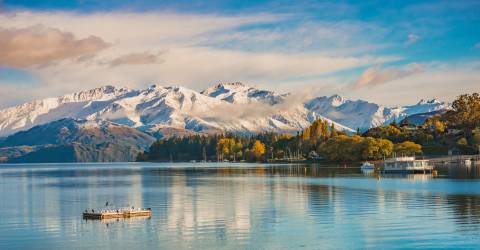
{"x": 238, "y": 92}
{"x": 158, "y": 109}
{"x": 233, "y": 107}
{"x": 364, "y": 115}
{"x": 76, "y": 105}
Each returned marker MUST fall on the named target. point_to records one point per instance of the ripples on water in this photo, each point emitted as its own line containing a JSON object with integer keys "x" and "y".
{"x": 231, "y": 206}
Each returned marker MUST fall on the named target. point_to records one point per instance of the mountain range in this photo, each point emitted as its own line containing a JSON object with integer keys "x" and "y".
{"x": 132, "y": 118}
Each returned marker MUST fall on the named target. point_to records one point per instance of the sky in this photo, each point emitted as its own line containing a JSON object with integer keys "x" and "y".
{"x": 388, "y": 52}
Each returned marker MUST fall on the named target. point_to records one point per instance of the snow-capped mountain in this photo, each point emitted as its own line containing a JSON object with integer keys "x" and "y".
{"x": 233, "y": 107}
{"x": 238, "y": 92}
{"x": 364, "y": 115}
{"x": 76, "y": 105}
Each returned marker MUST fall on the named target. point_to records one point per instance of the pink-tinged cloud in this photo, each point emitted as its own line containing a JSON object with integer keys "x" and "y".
{"x": 39, "y": 45}
{"x": 376, "y": 76}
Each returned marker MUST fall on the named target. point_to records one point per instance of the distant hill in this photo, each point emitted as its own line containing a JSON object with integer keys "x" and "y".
{"x": 72, "y": 140}
{"x": 419, "y": 119}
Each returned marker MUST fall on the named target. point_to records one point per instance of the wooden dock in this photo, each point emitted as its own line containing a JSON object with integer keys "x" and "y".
{"x": 116, "y": 213}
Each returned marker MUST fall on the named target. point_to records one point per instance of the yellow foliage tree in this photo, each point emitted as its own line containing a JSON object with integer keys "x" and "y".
{"x": 407, "y": 147}
{"x": 258, "y": 149}
{"x": 226, "y": 148}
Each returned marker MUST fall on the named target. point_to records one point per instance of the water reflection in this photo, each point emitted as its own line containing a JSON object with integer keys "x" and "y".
{"x": 239, "y": 206}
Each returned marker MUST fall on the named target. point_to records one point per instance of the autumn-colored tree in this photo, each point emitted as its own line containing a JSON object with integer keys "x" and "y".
{"x": 333, "y": 131}
{"x": 374, "y": 149}
{"x": 389, "y": 132}
{"x": 435, "y": 123}
{"x": 226, "y": 148}
{"x": 256, "y": 153}
{"x": 342, "y": 148}
{"x": 465, "y": 112}
{"x": 237, "y": 151}
{"x": 258, "y": 148}
{"x": 408, "y": 148}
{"x": 306, "y": 134}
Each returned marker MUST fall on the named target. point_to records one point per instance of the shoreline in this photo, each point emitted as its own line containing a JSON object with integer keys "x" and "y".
{"x": 435, "y": 159}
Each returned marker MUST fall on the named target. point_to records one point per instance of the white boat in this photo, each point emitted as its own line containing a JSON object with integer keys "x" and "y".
{"x": 468, "y": 162}
{"x": 407, "y": 165}
{"x": 367, "y": 166}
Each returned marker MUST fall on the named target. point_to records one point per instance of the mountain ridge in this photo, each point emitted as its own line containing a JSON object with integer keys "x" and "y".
{"x": 74, "y": 140}
{"x": 232, "y": 107}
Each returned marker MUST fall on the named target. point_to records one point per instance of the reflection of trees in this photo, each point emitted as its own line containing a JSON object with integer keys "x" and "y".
{"x": 323, "y": 201}
{"x": 292, "y": 170}
{"x": 466, "y": 209}
{"x": 462, "y": 172}
{"x": 238, "y": 202}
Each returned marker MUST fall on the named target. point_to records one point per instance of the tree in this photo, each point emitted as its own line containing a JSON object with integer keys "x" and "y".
{"x": 389, "y": 132}
{"x": 434, "y": 123}
{"x": 465, "y": 112}
{"x": 342, "y": 148}
{"x": 333, "y": 131}
{"x": 476, "y": 140}
{"x": 258, "y": 149}
{"x": 237, "y": 150}
{"x": 374, "y": 149}
{"x": 306, "y": 134}
{"x": 386, "y": 148}
{"x": 408, "y": 148}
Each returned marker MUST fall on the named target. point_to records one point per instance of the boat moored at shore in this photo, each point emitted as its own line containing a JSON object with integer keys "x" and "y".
{"x": 406, "y": 165}
{"x": 366, "y": 166}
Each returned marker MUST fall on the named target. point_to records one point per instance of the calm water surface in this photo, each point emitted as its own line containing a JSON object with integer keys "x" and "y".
{"x": 237, "y": 206}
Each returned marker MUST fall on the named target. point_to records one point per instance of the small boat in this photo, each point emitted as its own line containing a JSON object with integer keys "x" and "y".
{"x": 367, "y": 166}
{"x": 117, "y": 213}
{"x": 467, "y": 162}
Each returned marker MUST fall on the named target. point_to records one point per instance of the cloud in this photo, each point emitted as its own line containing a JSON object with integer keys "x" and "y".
{"x": 39, "y": 45}
{"x": 411, "y": 39}
{"x": 444, "y": 81}
{"x": 197, "y": 68}
{"x": 193, "y": 50}
{"x": 332, "y": 38}
{"x": 135, "y": 30}
{"x": 232, "y": 112}
{"x": 137, "y": 59}
{"x": 376, "y": 76}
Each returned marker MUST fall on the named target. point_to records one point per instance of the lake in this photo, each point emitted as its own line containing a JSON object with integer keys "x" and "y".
{"x": 237, "y": 206}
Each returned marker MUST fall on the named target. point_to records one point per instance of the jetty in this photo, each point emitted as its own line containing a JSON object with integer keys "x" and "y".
{"x": 116, "y": 213}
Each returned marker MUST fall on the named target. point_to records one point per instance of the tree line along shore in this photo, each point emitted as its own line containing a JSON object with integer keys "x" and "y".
{"x": 456, "y": 131}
